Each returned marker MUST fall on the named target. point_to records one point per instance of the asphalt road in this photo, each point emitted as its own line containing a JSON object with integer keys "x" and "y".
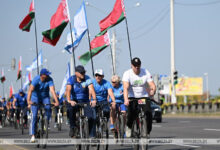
{"x": 170, "y": 128}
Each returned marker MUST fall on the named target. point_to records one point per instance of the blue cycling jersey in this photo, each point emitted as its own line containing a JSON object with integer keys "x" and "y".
{"x": 101, "y": 89}
{"x": 80, "y": 91}
{"x": 21, "y": 100}
{"x": 41, "y": 89}
{"x": 118, "y": 93}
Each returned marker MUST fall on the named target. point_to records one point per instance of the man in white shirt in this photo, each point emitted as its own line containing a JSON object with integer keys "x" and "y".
{"x": 137, "y": 83}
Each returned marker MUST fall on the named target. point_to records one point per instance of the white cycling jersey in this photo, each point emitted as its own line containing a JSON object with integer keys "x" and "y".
{"x": 138, "y": 83}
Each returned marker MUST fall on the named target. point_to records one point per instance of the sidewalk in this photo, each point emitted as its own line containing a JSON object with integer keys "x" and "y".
{"x": 192, "y": 115}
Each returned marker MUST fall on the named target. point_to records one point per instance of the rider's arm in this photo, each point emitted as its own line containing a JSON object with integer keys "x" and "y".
{"x": 111, "y": 94}
{"x": 92, "y": 91}
{"x": 68, "y": 92}
{"x": 152, "y": 87}
{"x": 31, "y": 89}
{"x": 52, "y": 90}
{"x": 14, "y": 101}
{"x": 126, "y": 87}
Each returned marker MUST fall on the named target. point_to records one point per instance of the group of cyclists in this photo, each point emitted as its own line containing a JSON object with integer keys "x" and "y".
{"x": 136, "y": 82}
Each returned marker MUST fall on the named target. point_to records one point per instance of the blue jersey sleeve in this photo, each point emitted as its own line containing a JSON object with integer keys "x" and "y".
{"x": 35, "y": 81}
{"x": 108, "y": 85}
{"x": 51, "y": 82}
{"x": 69, "y": 81}
{"x": 88, "y": 81}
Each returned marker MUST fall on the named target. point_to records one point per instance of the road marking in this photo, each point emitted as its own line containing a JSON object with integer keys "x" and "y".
{"x": 17, "y": 147}
{"x": 194, "y": 146}
{"x": 211, "y": 129}
{"x": 184, "y": 121}
{"x": 157, "y": 126}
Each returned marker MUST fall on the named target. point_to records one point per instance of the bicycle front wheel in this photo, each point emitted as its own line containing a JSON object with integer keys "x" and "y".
{"x": 144, "y": 136}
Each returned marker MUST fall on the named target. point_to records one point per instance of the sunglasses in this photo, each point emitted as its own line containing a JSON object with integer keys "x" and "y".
{"x": 97, "y": 75}
{"x": 114, "y": 82}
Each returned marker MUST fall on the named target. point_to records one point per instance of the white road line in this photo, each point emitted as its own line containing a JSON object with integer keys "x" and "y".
{"x": 184, "y": 121}
{"x": 211, "y": 129}
{"x": 157, "y": 126}
{"x": 194, "y": 146}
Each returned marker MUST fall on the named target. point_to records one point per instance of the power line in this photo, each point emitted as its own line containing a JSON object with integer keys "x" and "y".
{"x": 198, "y": 4}
{"x": 151, "y": 28}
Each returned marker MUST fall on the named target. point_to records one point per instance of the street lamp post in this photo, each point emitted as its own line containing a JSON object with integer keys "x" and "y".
{"x": 207, "y": 86}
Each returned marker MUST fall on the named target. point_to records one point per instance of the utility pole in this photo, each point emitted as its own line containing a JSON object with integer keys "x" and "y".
{"x": 173, "y": 95}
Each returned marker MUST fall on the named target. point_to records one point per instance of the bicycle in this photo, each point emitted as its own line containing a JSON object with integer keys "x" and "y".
{"x": 139, "y": 126}
{"x": 59, "y": 118}
{"x": 4, "y": 114}
{"x": 119, "y": 123}
{"x": 82, "y": 126}
{"x": 101, "y": 126}
{"x": 42, "y": 125}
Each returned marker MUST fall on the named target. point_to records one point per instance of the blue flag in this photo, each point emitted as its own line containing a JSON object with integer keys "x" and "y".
{"x": 79, "y": 29}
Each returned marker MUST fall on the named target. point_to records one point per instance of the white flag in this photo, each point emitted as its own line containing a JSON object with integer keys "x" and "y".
{"x": 34, "y": 63}
{"x": 79, "y": 29}
{"x": 63, "y": 88}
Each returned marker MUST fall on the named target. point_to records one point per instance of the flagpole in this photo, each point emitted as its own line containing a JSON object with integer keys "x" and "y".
{"x": 3, "y": 89}
{"x": 21, "y": 81}
{"x": 90, "y": 52}
{"x": 72, "y": 46}
{"x": 36, "y": 41}
{"x": 113, "y": 68}
{"x": 128, "y": 38}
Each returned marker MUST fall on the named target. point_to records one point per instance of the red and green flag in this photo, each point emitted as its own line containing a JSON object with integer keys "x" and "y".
{"x": 58, "y": 23}
{"x": 19, "y": 74}
{"x": 97, "y": 45}
{"x": 11, "y": 91}
{"x": 2, "y": 76}
{"x": 116, "y": 16}
{"x": 25, "y": 25}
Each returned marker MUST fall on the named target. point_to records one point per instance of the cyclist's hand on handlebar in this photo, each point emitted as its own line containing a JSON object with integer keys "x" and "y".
{"x": 93, "y": 103}
{"x": 73, "y": 103}
{"x": 113, "y": 105}
{"x": 56, "y": 104}
{"x": 126, "y": 102}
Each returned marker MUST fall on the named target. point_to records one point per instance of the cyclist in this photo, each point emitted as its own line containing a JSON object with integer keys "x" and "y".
{"x": 119, "y": 98}
{"x": 10, "y": 106}
{"x": 20, "y": 100}
{"x": 103, "y": 88}
{"x": 2, "y": 109}
{"x": 137, "y": 83}
{"x": 39, "y": 93}
{"x": 56, "y": 109}
{"x": 78, "y": 88}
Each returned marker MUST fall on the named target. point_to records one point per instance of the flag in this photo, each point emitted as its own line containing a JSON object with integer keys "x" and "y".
{"x": 19, "y": 74}
{"x": 11, "y": 90}
{"x": 116, "y": 16}
{"x": 34, "y": 63}
{"x": 27, "y": 80}
{"x": 58, "y": 23}
{"x": 63, "y": 88}
{"x": 97, "y": 45}
{"x": 3, "y": 76}
{"x": 79, "y": 29}
{"x": 25, "y": 25}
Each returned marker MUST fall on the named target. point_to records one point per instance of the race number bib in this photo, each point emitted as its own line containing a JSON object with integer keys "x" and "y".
{"x": 142, "y": 101}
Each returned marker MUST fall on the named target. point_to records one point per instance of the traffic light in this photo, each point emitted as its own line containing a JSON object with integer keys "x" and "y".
{"x": 175, "y": 77}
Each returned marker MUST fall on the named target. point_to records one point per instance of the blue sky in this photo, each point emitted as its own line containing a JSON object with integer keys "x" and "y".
{"x": 197, "y": 34}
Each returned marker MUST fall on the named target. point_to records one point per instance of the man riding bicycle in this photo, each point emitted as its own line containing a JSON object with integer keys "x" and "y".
{"x": 103, "y": 88}
{"x": 39, "y": 94}
{"x": 3, "y": 109}
{"x": 78, "y": 88}
{"x": 20, "y": 101}
{"x": 137, "y": 83}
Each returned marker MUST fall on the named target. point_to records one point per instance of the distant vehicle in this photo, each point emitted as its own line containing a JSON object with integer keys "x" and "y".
{"x": 156, "y": 112}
